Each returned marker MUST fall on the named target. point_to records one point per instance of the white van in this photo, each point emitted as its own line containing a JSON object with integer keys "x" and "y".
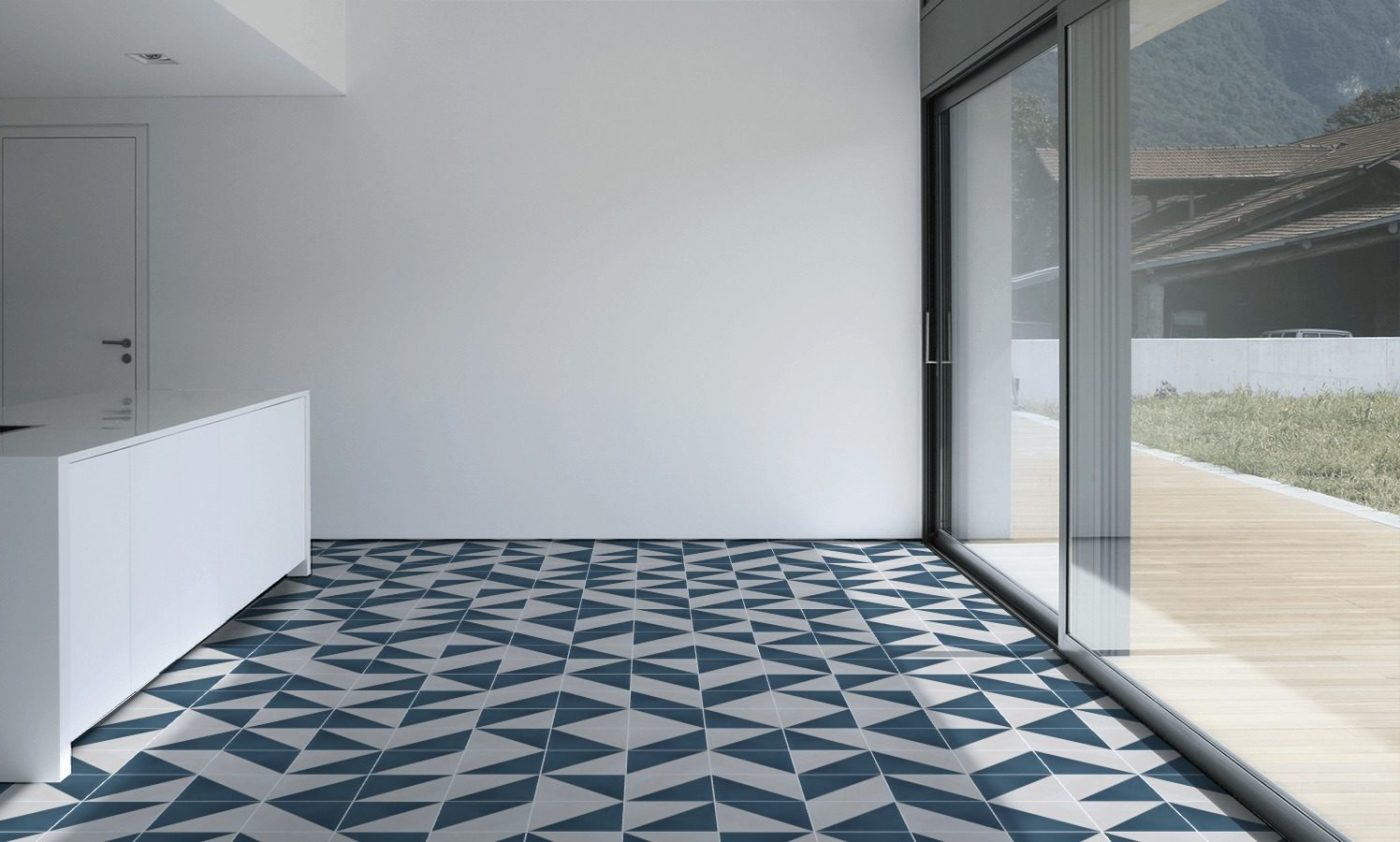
{"x": 1307, "y": 333}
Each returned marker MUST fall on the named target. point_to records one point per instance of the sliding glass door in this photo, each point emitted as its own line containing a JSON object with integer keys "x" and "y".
{"x": 1234, "y": 397}
{"x": 1003, "y": 323}
{"x": 1165, "y": 353}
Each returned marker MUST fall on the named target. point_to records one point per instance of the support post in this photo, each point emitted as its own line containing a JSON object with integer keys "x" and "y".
{"x": 1149, "y": 309}
{"x": 1099, "y": 411}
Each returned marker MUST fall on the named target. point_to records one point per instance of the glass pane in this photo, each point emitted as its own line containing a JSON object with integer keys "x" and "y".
{"x": 1005, "y": 472}
{"x": 1241, "y": 177}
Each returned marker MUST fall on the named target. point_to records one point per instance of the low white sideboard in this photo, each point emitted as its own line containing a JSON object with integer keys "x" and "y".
{"x": 132, "y": 527}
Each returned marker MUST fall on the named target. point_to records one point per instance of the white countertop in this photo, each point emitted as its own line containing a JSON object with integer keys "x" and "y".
{"x": 86, "y": 425}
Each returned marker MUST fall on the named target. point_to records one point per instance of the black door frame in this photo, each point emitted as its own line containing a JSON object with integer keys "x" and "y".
{"x": 1039, "y": 37}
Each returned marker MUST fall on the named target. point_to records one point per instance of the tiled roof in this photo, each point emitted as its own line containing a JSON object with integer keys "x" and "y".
{"x": 1220, "y": 162}
{"x": 1236, "y": 214}
{"x": 1313, "y": 226}
{"x": 1358, "y": 146}
{"x": 1293, "y": 181}
{"x": 1207, "y": 163}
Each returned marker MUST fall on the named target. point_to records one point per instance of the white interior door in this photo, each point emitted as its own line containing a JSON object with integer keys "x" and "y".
{"x": 72, "y": 238}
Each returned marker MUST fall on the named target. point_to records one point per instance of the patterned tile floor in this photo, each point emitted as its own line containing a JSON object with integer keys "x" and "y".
{"x": 649, "y": 692}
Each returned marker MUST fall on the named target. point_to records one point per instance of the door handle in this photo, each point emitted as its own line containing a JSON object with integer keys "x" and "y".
{"x": 120, "y": 343}
{"x": 929, "y": 350}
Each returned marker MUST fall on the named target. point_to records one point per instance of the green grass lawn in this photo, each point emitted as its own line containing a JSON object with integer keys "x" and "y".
{"x": 1346, "y": 445}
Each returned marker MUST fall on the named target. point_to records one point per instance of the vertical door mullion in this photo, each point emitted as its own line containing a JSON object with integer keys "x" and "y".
{"x": 1096, "y": 587}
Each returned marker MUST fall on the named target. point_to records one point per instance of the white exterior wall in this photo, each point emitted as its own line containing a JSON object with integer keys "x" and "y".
{"x": 1286, "y": 366}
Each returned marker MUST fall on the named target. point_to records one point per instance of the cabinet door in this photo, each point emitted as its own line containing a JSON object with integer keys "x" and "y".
{"x": 218, "y": 515}
{"x": 262, "y": 499}
{"x": 175, "y": 593}
{"x": 99, "y": 581}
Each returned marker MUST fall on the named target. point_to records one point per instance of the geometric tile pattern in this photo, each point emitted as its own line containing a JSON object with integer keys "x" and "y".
{"x": 664, "y": 691}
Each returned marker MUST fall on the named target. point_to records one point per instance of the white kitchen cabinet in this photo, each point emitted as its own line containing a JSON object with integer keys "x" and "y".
{"x": 262, "y": 530}
{"x": 123, "y": 545}
{"x": 174, "y": 550}
{"x": 99, "y": 546}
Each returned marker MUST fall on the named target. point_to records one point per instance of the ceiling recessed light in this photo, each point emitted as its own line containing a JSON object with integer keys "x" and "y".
{"x": 152, "y": 58}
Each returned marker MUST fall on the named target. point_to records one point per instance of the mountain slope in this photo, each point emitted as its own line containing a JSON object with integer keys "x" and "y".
{"x": 1261, "y": 71}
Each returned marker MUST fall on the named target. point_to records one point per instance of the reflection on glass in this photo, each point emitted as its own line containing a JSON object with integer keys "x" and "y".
{"x": 1261, "y": 211}
{"x": 1006, "y": 329}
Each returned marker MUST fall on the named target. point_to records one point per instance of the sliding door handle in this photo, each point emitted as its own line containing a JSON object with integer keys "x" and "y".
{"x": 928, "y": 345}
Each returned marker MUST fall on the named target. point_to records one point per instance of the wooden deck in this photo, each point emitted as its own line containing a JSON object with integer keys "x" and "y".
{"x": 1272, "y": 622}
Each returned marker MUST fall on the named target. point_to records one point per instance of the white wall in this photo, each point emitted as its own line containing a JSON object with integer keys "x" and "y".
{"x": 1035, "y": 372}
{"x": 553, "y": 269}
{"x": 1286, "y": 366}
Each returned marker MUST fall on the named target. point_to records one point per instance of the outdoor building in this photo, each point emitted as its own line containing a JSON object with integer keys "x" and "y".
{"x": 1229, "y": 241}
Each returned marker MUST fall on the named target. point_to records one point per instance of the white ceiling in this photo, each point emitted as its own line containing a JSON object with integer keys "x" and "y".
{"x": 77, "y": 48}
{"x": 1151, "y": 18}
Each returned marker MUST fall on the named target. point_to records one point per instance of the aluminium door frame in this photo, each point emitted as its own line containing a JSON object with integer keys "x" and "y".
{"x": 1039, "y": 35}
{"x": 1265, "y": 799}
{"x": 140, "y": 133}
